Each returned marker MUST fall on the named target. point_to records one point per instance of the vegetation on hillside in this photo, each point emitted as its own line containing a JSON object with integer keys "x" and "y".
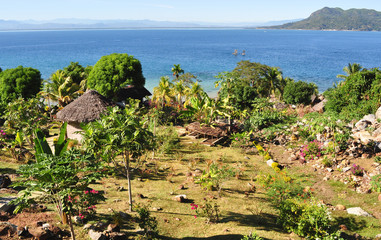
{"x": 338, "y": 19}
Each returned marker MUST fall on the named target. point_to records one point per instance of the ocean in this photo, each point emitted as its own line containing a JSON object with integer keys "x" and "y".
{"x": 313, "y": 56}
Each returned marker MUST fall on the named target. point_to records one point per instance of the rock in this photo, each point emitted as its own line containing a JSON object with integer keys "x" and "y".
{"x": 157, "y": 208}
{"x": 343, "y": 227}
{"x": 22, "y": 232}
{"x": 378, "y": 236}
{"x": 181, "y": 187}
{"x": 113, "y": 228}
{"x": 120, "y": 189}
{"x": 370, "y": 118}
{"x": 77, "y": 220}
{"x": 96, "y": 235}
{"x": 117, "y": 236}
{"x": 346, "y": 169}
{"x": 117, "y": 200}
{"x": 362, "y": 124}
{"x": 269, "y": 162}
{"x": 364, "y": 137}
{"x": 246, "y": 157}
{"x": 378, "y": 113}
{"x": 358, "y": 212}
{"x": 5, "y": 181}
{"x": 325, "y": 178}
{"x": 379, "y": 197}
{"x": 5, "y": 206}
{"x": 329, "y": 169}
{"x": 6, "y": 227}
{"x": 39, "y": 223}
{"x": 365, "y": 155}
{"x": 340, "y": 207}
{"x": 319, "y": 107}
{"x": 180, "y": 198}
{"x": 40, "y": 234}
{"x": 88, "y": 226}
{"x": 124, "y": 216}
{"x": 377, "y": 133}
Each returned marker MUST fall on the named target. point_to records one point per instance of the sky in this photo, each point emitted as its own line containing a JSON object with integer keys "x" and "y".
{"x": 214, "y": 11}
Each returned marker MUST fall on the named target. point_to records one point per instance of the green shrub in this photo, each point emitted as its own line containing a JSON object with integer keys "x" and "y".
{"x": 305, "y": 218}
{"x": 146, "y": 221}
{"x": 376, "y": 183}
{"x": 167, "y": 139}
{"x": 299, "y": 92}
{"x": 252, "y": 236}
{"x": 263, "y": 119}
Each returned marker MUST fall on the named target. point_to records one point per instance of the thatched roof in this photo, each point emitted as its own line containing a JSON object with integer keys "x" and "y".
{"x": 209, "y": 132}
{"x": 86, "y": 108}
{"x": 132, "y": 92}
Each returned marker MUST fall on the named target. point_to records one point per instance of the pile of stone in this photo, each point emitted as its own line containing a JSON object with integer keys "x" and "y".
{"x": 40, "y": 231}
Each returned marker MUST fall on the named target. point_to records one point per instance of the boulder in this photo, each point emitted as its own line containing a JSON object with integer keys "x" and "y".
{"x": 378, "y": 113}
{"x": 362, "y": 124}
{"x": 97, "y": 235}
{"x": 5, "y": 181}
{"x": 358, "y": 212}
{"x": 340, "y": 207}
{"x": 363, "y": 136}
{"x": 113, "y": 228}
{"x": 370, "y": 118}
{"x": 7, "y": 228}
{"x": 39, "y": 233}
{"x": 5, "y": 205}
{"x": 180, "y": 198}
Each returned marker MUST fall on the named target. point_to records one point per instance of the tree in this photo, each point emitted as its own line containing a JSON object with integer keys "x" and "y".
{"x": 177, "y": 70}
{"x": 61, "y": 88}
{"x": 350, "y": 70}
{"x": 299, "y": 92}
{"x": 119, "y": 132}
{"x": 19, "y": 82}
{"x": 162, "y": 94}
{"x": 76, "y": 72}
{"x": 114, "y": 71}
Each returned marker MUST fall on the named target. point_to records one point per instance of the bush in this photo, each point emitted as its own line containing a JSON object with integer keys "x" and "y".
{"x": 167, "y": 139}
{"x": 376, "y": 183}
{"x": 305, "y": 218}
{"x": 263, "y": 119}
{"x": 146, "y": 221}
{"x": 252, "y": 236}
{"x": 299, "y": 92}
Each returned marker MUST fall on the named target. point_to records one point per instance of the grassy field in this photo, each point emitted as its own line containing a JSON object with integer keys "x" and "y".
{"x": 242, "y": 210}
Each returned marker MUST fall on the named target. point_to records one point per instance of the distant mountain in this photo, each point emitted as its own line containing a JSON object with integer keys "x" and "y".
{"x": 338, "y": 19}
{"x": 118, "y": 24}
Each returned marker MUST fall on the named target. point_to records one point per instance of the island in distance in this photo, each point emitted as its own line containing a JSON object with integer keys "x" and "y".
{"x": 337, "y": 19}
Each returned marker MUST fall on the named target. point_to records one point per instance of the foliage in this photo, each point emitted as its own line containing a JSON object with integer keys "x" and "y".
{"x": 119, "y": 132}
{"x": 41, "y": 146}
{"x": 56, "y": 178}
{"x": 311, "y": 150}
{"x": 338, "y": 19}
{"x": 209, "y": 210}
{"x": 167, "y": 140}
{"x": 113, "y": 72}
{"x": 202, "y": 109}
{"x": 305, "y": 218}
{"x": 240, "y": 140}
{"x": 177, "y": 70}
{"x": 18, "y": 82}
{"x": 358, "y": 95}
{"x": 76, "y": 72}
{"x": 377, "y": 159}
{"x": 213, "y": 177}
{"x": 84, "y": 205}
{"x": 357, "y": 170}
{"x": 25, "y": 116}
{"x": 252, "y": 236}
{"x": 299, "y": 92}
{"x": 146, "y": 221}
{"x": 376, "y": 183}
{"x": 327, "y": 162}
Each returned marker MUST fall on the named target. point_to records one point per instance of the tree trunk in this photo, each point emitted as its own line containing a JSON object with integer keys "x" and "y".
{"x": 71, "y": 228}
{"x": 127, "y": 167}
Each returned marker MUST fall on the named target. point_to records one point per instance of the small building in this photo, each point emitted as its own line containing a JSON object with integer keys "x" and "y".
{"x": 86, "y": 108}
{"x": 133, "y": 92}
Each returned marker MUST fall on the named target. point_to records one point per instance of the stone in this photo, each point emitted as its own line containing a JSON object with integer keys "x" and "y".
{"x": 120, "y": 189}
{"x": 346, "y": 169}
{"x": 96, "y": 235}
{"x": 378, "y": 113}
{"x": 40, "y": 234}
{"x": 379, "y": 197}
{"x": 378, "y": 236}
{"x": 181, "y": 187}
{"x": 5, "y": 181}
{"x": 117, "y": 236}
{"x": 77, "y": 219}
{"x": 340, "y": 207}
{"x": 6, "y": 227}
{"x": 246, "y": 157}
{"x": 124, "y": 216}
{"x": 113, "y": 228}
{"x": 370, "y": 118}
{"x": 5, "y": 205}
{"x": 157, "y": 208}
{"x": 180, "y": 198}
{"x": 377, "y": 133}
{"x": 270, "y": 162}
{"x": 88, "y": 226}
{"x": 343, "y": 227}
{"x": 325, "y": 178}
{"x": 329, "y": 169}
{"x": 362, "y": 124}
{"x": 363, "y": 136}
{"x": 23, "y": 232}
{"x": 358, "y": 212}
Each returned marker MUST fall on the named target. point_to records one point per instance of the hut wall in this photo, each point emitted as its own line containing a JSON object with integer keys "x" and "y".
{"x": 72, "y": 129}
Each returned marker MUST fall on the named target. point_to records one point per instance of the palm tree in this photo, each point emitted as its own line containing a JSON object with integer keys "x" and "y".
{"x": 195, "y": 91}
{"x": 61, "y": 88}
{"x": 179, "y": 90}
{"x": 163, "y": 93}
{"x": 274, "y": 77}
{"x": 350, "y": 70}
{"x": 177, "y": 70}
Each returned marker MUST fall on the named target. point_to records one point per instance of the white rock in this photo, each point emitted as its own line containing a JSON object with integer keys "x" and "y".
{"x": 362, "y": 124}
{"x": 370, "y": 117}
{"x": 96, "y": 235}
{"x": 378, "y": 113}
{"x": 329, "y": 169}
{"x": 358, "y": 212}
{"x": 346, "y": 169}
{"x": 270, "y": 162}
{"x": 45, "y": 226}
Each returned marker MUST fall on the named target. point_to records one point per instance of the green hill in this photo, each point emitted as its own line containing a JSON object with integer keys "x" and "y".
{"x": 338, "y": 19}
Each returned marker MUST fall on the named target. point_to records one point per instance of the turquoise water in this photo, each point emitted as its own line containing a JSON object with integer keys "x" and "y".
{"x": 315, "y": 56}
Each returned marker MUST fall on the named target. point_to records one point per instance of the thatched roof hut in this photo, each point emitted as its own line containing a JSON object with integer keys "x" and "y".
{"x": 86, "y": 108}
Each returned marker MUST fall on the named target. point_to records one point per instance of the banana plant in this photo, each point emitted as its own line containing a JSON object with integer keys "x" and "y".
{"x": 42, "y": 147}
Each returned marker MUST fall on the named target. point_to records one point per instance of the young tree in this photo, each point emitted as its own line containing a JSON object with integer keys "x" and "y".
{"x": 113, "y": 72}
{"x": 19, "y": 82}
{"x": 119, "y": 132}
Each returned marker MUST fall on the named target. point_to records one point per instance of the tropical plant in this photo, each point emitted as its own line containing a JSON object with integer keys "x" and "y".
{"x": 19, "y": 82}
{"x": 162, "y": 94}
{"x": 58, "y": 179}
{"x": 350, "y": 70}
{"x": 114, "y": 71}
{"x": 146, "y": 221}
{"x": 119, "y": 132}
{"x": 214, "y": 175}
{"x": 298, "y": 92}
{"x": 177, "y": 70}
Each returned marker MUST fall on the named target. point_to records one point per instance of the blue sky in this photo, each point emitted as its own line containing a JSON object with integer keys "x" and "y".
{"x": 174, "y": 10}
